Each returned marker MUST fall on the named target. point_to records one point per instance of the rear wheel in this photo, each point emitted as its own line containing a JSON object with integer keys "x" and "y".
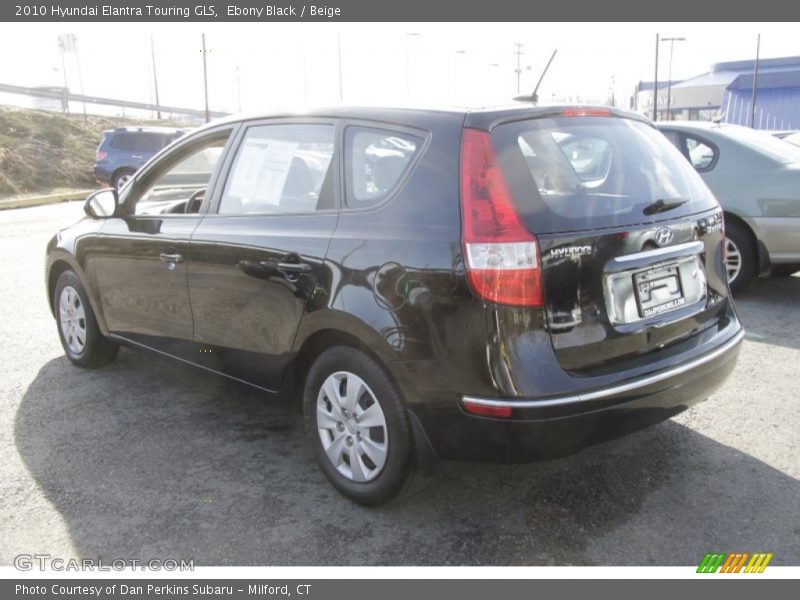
{"x": 80, "y": 336}
{"x": 357, "y": 426}
{"x": 122, "y": 177}
{"x": 740, "y": 256}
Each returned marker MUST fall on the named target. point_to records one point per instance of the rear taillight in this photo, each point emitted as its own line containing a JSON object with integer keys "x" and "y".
{"x": 101, "y": 155}
{"x": 721, "y": 216}
{"x": 500, "y": 254}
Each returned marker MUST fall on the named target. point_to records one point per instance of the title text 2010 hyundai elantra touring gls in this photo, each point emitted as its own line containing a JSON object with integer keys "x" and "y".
{"x": 505, "y": 284}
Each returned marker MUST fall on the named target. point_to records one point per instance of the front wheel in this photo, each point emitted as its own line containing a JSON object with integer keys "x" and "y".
{"x": 357, "y": 426}
{"x": 81, "y": 338}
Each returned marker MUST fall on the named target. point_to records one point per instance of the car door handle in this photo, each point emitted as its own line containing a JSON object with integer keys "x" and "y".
{"x": 293, "y": 267}
{"x": 170, "y": 257}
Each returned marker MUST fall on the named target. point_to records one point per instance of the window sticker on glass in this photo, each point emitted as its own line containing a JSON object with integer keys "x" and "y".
{"x": 262, "y": 170}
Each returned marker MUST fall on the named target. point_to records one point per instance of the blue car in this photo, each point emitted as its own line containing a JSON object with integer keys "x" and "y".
{"x": 125, "y": 149}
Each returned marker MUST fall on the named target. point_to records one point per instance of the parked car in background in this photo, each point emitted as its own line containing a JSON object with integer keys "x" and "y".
{"x": 794, "y": 138}
{"x": 125, "y": 149}
{"x": 499, "y": 284}
{"x": 756, "y": 178}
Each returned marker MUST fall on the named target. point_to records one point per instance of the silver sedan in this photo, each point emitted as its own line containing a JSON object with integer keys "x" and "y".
{"x": 756, "y": 178}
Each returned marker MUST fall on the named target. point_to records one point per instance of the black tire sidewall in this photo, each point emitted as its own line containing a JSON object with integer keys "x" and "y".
{"x": 744, "y": 242}
{"x": 97, "y": 349}
{"x": 396, "y": 469}
{"x": 118, "y": 175}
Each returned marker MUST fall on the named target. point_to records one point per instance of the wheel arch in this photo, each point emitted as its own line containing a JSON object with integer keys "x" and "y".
{"x": 65, "y": 262}
{"x": 758, "y": 246}
{"x": 316, "y": 342}
{"x": 356, "y": 334}
{"x": 118, "y": 171}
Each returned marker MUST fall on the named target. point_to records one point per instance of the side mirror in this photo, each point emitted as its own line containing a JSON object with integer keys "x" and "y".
{"x": 101, "y": 204}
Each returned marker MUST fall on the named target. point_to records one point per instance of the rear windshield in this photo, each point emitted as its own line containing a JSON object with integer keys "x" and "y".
{"x": 576, "y": 173}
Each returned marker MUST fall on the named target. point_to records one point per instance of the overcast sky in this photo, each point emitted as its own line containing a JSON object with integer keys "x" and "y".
{"x": 291, "y": 64}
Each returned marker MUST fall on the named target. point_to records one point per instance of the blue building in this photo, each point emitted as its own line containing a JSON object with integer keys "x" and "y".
{"x": 726, "y": 91}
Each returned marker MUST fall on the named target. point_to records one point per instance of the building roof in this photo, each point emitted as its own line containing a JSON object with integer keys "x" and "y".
{"x": 772, "y": 72}
{"x": 646, "y": 86}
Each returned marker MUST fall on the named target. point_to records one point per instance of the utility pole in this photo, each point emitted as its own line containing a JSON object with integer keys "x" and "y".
{"x": 671, "y": 41}
{"x": 518, "y": 51}
{"x": 205, "y": 76}
{"x": 655, "y": 86}
{"x": 613, "y": 99}
{"x": 65, "y": 101}
{"x": 755, "y": 82}
{"x": 155, "y": 76}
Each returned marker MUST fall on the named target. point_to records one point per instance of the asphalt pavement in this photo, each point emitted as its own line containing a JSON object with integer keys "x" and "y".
{"x": 148, "y": 458}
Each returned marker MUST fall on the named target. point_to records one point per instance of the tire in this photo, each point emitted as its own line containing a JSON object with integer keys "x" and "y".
{"x": 740, "y": 256}
{"x": 121, "y": 177}
{"x": 80, "y": 336}
{"x": 355, "y": 468}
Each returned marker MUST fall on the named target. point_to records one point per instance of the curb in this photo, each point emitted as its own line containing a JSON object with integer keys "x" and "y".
{"x": 9, "y": 203}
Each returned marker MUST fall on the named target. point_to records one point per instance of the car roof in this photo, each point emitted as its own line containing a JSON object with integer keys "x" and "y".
{"x": 479, "y": 117}
{"x": 153, "y": 129}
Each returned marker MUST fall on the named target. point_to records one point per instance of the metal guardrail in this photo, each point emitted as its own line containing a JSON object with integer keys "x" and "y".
{"x": 63, "y": 95}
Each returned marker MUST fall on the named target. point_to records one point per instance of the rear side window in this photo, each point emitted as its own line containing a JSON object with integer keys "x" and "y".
{"x": 140, "y": 142}
{"x": 123, "y": 141}
{"x": 281, "y": 169}
{"x": 576, "y": 173}
{"x": 375, "y": 162}
{"x": 702, "y": 155}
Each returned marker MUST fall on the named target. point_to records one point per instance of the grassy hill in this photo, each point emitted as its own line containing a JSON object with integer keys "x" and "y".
{"x": 43, "y": 151}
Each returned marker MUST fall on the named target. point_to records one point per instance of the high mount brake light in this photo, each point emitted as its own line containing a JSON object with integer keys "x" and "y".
{"x": 501, "y": 255}
{"x": 585, "y": 112}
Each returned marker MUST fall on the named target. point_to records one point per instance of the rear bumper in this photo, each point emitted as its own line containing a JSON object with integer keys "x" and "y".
{"x": 102, "y": 173}
{"x": 550, "y": 427}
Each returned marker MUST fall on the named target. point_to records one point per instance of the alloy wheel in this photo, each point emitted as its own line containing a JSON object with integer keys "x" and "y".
{"x": 72, "y": 318}
{"x": 352, "y": 427}
{"x": 733, "y": 260}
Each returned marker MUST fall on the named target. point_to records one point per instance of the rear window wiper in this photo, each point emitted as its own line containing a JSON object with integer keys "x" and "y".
{"x": 664, "y": 204}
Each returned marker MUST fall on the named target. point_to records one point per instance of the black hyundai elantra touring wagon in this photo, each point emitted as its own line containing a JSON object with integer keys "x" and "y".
{"x": 498, "y": 284}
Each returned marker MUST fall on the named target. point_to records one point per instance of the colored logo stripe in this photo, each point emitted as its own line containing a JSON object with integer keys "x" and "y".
{"x": 734, "y": 562}
{"x": 758, "y": 563}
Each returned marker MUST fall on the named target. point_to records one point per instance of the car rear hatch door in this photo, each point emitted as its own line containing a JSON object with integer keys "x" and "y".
{"x": 630, "y": 238}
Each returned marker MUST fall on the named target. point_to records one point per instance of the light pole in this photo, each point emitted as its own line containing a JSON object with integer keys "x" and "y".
{"x": 655, "y": 86}
{"x": 671, "y": 41}
{"x": 205, "y": 77}
{"x": 155, "y": 75}
{"x": 408, "y": 63}
{"x": 518, "y": 51}
{"x": 755, "y": 83}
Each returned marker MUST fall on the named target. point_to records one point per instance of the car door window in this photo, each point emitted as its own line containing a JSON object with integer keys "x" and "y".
{"x": 376, "y": 161}
{"x": 181, "y": 184}
{"x": 701, "y": 155}
{"x": 281, "y": 169}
